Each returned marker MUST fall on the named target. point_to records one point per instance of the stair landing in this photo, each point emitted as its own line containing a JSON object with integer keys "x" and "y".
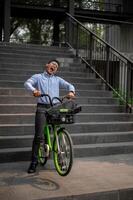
{"x": 96, "y": 178}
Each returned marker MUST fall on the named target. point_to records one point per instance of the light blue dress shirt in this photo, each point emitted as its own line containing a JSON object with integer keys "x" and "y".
{"x": 47, "y": 84}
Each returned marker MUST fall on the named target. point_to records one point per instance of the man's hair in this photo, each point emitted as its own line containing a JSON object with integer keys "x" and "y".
{"x": 54, "y": 60}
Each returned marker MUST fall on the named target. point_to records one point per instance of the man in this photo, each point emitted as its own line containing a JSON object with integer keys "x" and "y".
{"x": 45, "y": 83}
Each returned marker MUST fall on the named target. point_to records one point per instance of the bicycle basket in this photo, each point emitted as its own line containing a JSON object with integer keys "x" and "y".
{"x": 62, "y": 113}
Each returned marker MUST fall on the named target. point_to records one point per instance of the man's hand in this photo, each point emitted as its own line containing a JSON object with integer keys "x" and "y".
{"x": 70, "y": 95}
{"x": 36, "y": 93}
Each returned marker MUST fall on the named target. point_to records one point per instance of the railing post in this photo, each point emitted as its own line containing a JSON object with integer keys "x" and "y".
{"x": 0, "y": 28}
{"x": 56, "y": 31}
{"x": 66, "y": 30}
{"x": 128, "y": 88}
{"x": 71, "y": 12}
{"x": 91, "y": 48}
{"x": 77, "y": 40}
{"x": 7, "y": 14}
{"x": 107, "y": 64}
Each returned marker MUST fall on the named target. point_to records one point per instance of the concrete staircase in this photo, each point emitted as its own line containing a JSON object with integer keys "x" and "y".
{"x": 102, "y": 128}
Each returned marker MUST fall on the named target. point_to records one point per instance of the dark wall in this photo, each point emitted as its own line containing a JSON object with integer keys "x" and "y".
{"x": 128, "y": 6}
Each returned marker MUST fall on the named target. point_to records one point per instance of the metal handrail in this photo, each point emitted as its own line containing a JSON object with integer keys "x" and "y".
{"x": 110, "y": 65}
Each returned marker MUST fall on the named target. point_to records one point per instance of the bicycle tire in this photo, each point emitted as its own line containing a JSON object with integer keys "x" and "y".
{"x": 62, "y": 165}
{"x": 41, "y": 156}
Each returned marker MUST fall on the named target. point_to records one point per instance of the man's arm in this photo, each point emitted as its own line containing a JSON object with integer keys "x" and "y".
{"x": 30, "y": 85}
{"x": 68, "y": 86}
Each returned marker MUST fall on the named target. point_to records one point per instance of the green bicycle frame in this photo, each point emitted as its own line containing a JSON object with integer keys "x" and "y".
{"x": 47, "y": 134}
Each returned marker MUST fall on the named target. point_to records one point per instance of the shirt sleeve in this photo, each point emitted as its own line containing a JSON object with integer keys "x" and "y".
{"x": 66, "y": 85}
{"x": 30, "y": 84}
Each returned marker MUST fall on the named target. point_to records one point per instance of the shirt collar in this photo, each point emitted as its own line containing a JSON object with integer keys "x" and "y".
{"x": 46, "y": 74}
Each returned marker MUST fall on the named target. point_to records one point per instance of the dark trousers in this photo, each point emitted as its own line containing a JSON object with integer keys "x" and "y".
{"x": 40, "y": 121}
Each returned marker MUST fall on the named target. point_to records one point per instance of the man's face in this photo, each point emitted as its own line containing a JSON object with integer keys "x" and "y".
{"x": 51, "y": 68}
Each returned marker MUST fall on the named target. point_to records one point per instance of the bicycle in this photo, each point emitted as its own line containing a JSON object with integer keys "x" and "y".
{"x": 61, "y": 144}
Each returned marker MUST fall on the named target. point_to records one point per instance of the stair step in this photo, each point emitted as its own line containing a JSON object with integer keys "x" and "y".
{"x": 30, "y": 100}
{"x": 102, "y": 108}
{"x": 34, "y": 60}
{"x": 17, "y": 108}
{"x": 15, "y": 154}
{"x": 100, "y": 127}
{"x": 16, "y": 129}
{"x": 19, "y": 99}
{"x": 102, "y": 137}
{"x": 74, "y": 81}
{"x": 15, "y": 99}
{"x": 23, "y": 118}
{"x": 40, "y": 66}
{"x": 26, "y": 72}
{"x": 16, "y": 77}
{"x": 5, "y": 46}
{"x": 23, "y": 154}
{"x": 37, "y": 49}
{"x": 91, "y": 93}
{"x": 33, "y": 56}
{"x": 30, "y": 108}
{"x": 103, "y": 149}
{"x": 15, "y": 141}
{"x": 103, "y": 117}
{"x": 78, "y": 139}
{"x": 79, "y": 86}
{"x": 90, "y": 127}
{"x": 23, "y": 91}
{"x": 37, "y": 53}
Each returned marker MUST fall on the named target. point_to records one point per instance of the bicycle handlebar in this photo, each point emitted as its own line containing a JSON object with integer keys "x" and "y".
{"x": 76, "y": 110}
{"x": 51, "y": 100}
{"x": 46, "y": 95}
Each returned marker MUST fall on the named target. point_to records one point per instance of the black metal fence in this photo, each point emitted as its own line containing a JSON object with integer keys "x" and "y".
{"x": 114, "y": 69}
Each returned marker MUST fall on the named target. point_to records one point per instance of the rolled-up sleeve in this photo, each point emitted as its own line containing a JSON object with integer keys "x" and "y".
{"x": 30, "y": 84}
{"x": 66, "y": 85}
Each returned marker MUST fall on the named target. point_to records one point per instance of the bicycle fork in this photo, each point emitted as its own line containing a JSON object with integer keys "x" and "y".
{"x": 48, "y": 144}
{"x": 57, "y": 139}
{"x": 60, "y": 149}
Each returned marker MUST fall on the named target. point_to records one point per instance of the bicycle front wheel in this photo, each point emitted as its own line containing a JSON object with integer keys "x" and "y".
{"x": 63, "y": 152}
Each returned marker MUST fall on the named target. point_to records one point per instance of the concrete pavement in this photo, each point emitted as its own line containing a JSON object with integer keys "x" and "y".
{"x": 96, "y": 178}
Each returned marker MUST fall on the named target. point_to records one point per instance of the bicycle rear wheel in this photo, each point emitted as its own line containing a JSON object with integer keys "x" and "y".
{"x": 63, "y": 157}
{"x": 42, "y": 158}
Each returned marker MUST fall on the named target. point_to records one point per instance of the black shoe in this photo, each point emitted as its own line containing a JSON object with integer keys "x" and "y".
{"x": 32, "y": 168}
